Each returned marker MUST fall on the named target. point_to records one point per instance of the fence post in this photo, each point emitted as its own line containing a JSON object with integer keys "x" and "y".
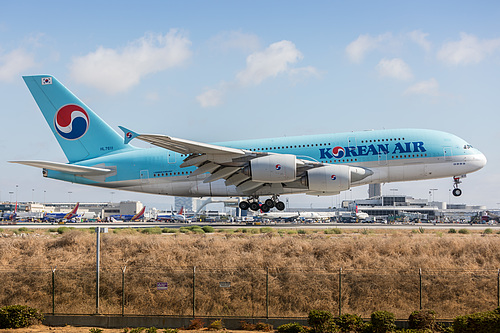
{"x": 194, "y": 291}
{"x": 267, "y": 292}
{"x": 340, "y": 291}
{"x": 53, "y": 290}
{"x": 97, "y": 267}
{"x": 123, "y": 290}
{"x": 420, "y": 286}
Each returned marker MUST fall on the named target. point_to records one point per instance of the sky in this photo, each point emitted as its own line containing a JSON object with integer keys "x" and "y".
{"x": 214, "y": 71}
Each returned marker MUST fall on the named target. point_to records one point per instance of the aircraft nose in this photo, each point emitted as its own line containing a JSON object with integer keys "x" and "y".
{"x": 479, "y": 160}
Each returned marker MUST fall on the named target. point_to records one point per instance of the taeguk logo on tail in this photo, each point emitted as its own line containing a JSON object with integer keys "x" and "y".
{"x": 71, "y": 122}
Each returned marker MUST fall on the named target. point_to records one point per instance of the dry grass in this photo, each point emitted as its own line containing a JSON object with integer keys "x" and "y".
{"x": 379, "y": 272}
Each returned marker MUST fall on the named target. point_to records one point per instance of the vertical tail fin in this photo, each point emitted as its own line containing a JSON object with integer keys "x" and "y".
{"x": 73, "y": 212}
{"x": 80, "y": 132}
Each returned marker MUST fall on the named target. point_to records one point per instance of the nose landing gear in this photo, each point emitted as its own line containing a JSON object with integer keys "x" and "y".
{"x": 456, "y": 191}
{"x": 253, "y": 204}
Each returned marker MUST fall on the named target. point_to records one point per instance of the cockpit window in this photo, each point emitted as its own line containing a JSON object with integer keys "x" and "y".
{"x": 467, "y": 146}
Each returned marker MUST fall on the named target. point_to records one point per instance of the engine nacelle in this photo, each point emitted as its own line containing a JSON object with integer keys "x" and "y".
{"x": 328, "y": 178}
{"x": 273, "y": 168}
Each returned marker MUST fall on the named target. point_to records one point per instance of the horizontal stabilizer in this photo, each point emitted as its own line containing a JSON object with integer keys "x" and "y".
{"x": 68, "y": 168}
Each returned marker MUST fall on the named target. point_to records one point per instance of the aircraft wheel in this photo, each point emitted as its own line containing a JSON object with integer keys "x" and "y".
{"x": 457, "y": 192}
{"x": 280, "y": 205}
{"x": 254, "y": 206}
{"x": 244, "y": 205}
{"x": 265, "y": 208}
{"x": 269, "y": 203}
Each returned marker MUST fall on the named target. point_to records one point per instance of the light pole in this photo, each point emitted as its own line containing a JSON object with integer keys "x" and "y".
{"x": 394, "y": 201}
{"x": 431, "y": 192}
{"x": 69, "y": 196}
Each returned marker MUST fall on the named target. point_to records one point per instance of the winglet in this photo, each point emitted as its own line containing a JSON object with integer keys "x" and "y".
{"x": 128, "y": 134}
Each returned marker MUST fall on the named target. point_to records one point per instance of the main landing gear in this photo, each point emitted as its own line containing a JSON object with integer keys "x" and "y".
{"x": 456, "y": 191}
{"x": 254, "y": 204}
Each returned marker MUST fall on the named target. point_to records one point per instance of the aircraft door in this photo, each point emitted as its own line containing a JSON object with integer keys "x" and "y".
{"x": 382, "y": 158}
{"x": 144, "y": 176}
{"x": 351, "y": 141}
{"x": 171, "y": 157}
{"x": 447, "y": 153}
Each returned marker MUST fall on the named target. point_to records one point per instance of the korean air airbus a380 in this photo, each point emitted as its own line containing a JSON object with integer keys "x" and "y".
{"x": 315, "y": 164}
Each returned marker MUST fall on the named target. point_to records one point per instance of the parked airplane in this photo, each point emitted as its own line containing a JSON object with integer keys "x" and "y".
{"x": 172, "y": 217}
{"x": 63, "y": 216}
{"x": 11, "y": 216}
{"x": 316, "y": 164}
{"x": 135, "y": 217}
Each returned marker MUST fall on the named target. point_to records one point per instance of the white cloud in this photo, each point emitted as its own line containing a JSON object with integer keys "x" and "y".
{"x": 357, "y": 50}
{"x": 273, "y": 61}
{"x": 420, "y": 38}
{"x": 395, "y": 68}
{"x": 429, "y": 87}
{"x": 118, "y": 70}
{"x": 468, "y": 50}
{"x": 236, "y": 40}
{"x": 210, "y": 98}
{"x": 269, "y": 63}
{"x": 14, "y": 63}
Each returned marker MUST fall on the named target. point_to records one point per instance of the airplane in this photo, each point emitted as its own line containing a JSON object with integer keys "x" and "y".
{"x": 173, "y": 217}
{"x": 314, "y": 164}
{"x": 11, "y": 216}
{"x": 135, "y": 217}
{"x": 63, "y": 216}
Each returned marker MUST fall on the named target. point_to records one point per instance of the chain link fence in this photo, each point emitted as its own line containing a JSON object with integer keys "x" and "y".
{"x": 249, "y": 292}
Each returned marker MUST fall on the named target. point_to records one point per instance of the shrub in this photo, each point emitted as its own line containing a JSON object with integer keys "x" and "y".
{"x": 383, "y": 321}
{"x": 481, "y": 322}
{"x": 137, "y": 330}
{"x": 488, "y": 231}
{"x": 291, "y": 328}
{"x": 265, "y": 327}
{"x": 463, "y": 231}
{"x": 208, "y": 228}
{"x": 452, "y": 231}
{"x": 246, "y": 326}
{"x": 266, "y": 230}
{"x": 96, "y": 330}
{"x": 152, "y": 330}
{"x": 17, "y": 316}
{"x": 216, "y": 325}
{"x": 151, "y": 231}
{"x": 62, "y": 230}
{"x": 350, "y": 322}
{"x": 422, "y": 319}
{"x": 336, "y": 231}
{"x": 196, "y": 324}
{"x": 320, "y": 321}
{"x": 171, "y": 330}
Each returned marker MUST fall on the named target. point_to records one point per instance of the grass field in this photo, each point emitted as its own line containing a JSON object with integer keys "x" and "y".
{"x": 283, "y": 273}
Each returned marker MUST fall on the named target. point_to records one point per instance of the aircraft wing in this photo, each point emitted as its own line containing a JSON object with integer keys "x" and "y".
{"x": 68, "y": 168}
{"x": 181, "y": 146}
{"x": 232, "y": 164}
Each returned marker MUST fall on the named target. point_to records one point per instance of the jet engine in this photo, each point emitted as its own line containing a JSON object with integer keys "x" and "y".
{"x": 333, "y": 178}
{"x": 273, "y": 168}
